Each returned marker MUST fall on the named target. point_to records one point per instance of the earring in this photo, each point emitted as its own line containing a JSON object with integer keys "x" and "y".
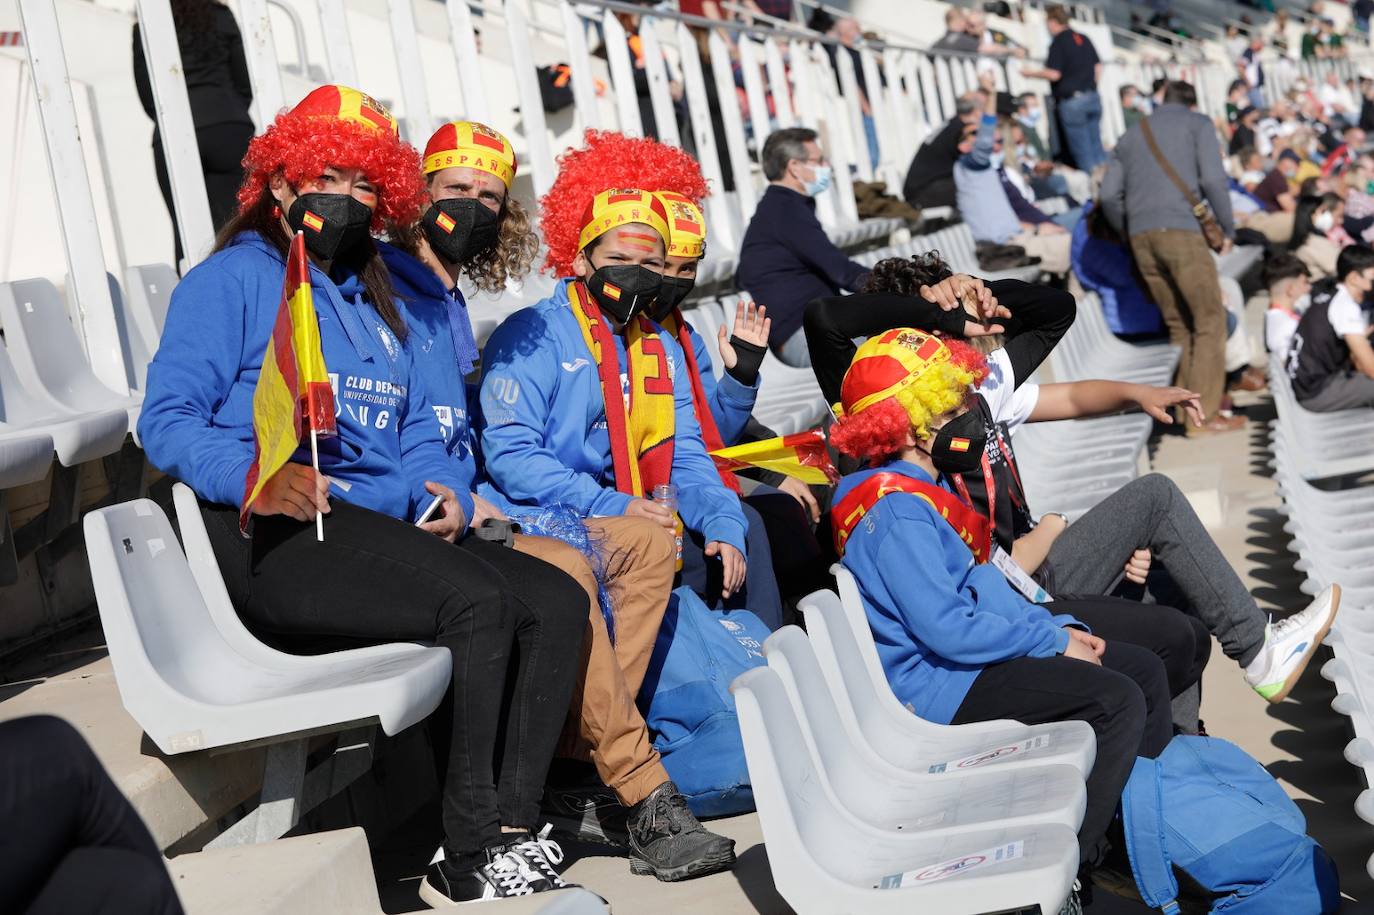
{"x": 276, "y": 211}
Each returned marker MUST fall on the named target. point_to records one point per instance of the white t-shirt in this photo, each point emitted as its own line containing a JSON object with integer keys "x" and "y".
{"x": 1279, "y": 327}
{"x": 1008, "y": 404}
{"x": 1345, "y": 314}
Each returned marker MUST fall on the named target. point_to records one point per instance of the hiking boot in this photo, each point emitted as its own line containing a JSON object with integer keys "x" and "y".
{"x": 589, "y": 813}
{"x": 1289, "y": 644}
{"x": 504, "y": 876}
{"x": 667, "y": 841}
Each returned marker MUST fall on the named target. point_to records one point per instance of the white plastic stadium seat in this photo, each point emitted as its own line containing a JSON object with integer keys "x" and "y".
{"x": 826, "y": 862}
{"x": 135, "y": 345}
{"x": 48, "y": 353}
{"x": 77, "y": 437}
{"x": 880, "y": 794}
{"x": 872, "y": 714}
{"x": 148, "y": 293}
{"x": 24, "y": 456}
{"x": 193, "y": 677}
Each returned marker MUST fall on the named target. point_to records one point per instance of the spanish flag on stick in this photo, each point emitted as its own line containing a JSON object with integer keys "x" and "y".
{"x": 293, "y": 395}
{"x": 802, "y": 456}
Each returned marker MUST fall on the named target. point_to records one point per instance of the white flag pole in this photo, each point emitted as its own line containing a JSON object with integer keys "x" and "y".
{"x": 315, "y": 460}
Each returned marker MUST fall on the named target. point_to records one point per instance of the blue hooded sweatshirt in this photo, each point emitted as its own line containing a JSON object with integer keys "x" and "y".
{"x": 730, "y": 401}
{"x": 197, "y": 419}
{"x": 444, "y": 351}
{"x": 938, "y": 617}
{"x": 543, "y": 426}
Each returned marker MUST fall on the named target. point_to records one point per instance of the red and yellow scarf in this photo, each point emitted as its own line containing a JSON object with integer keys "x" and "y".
{"x": 642, "y": 431}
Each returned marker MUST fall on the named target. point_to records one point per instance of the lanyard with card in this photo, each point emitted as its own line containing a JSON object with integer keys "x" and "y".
{"x": 1018, "y": 577}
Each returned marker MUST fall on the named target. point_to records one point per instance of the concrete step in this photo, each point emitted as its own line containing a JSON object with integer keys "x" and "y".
{"x": 175, "y": 795}
{"x": 329, "y": 873}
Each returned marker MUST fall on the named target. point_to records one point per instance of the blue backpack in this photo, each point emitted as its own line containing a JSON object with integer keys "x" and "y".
{"x": 687, "y": 704}
{"x": 1210, "y": 811}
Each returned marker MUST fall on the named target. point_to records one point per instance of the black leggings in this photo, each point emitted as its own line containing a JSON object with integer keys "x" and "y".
{"x": 513, "y": 623}
{"x": 222, "y": 148}
{"x": 1150, "y": 658}
{"x": 70, "y": 844}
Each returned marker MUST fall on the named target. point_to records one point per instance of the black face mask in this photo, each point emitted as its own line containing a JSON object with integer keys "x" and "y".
{"x": 674, "y": 292}
{"x": 333, "y": 224}
{"x": 624, "y": 290}
{"x": 460, "y": 228}
{"x": 958, "y": 446}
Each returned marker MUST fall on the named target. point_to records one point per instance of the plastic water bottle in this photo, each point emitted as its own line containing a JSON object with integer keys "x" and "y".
{"x": 665, "y": 494}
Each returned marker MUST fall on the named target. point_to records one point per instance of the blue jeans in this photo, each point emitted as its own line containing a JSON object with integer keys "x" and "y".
{"x": 1069, "y": 218}
{"x": 1081, "y": 119}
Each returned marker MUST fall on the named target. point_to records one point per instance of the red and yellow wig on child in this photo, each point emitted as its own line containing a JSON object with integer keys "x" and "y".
{"x": 339, "y": 127}
{"x": 897, "y": 383}
{"x": 608, "y": 160}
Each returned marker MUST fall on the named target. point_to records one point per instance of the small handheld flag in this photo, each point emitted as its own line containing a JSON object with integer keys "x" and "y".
{"x": 293, "y": 395}
{"x": 802, "y": 455}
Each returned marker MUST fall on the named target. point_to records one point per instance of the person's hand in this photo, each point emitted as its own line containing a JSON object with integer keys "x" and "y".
{"x": 644, "y": 508}
{"x": 1226, "y": 246}
{"x": 1018, "y": 52}
{"x": 987, "y": 81}
{"x": 1138, "y": 566}
{"x": 449, "y": 520}
{"x": 1095, "y": 644}
{"x": 1050, "y": 228}
{"x": 1157, "y": 401}
{"x": 803, "y": 494}
{"x": 1043, "y": 169}
{"x": 482, "y": 510}
{"x": 733, "y": 564}
{"x": 1081, "y": 650}
{"x": 295, "y": 491}
{"x": 752, "y": 325}
{"x": 675, "y": 90}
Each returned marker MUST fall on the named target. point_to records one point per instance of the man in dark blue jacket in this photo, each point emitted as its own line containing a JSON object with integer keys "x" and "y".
{"x": 786, "y": 259}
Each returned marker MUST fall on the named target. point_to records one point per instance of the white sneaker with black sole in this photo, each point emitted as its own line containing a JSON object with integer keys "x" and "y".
{"x": 1289, "y": 645}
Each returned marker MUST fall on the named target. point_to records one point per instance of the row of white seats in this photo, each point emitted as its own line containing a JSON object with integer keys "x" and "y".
{"x": 50, "y": 398}
{"x": 866, "y": 807}
{"x": 1332, "y": 527}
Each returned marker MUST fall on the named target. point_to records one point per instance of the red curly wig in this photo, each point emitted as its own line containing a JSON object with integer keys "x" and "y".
{"x": 608, "y": 159}
{"x": 880, "y": 431}
{"x": 301, "y": 147}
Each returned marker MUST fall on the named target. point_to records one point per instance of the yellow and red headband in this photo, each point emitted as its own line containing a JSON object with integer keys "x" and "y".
{"x": 686, "y": 223}
{"x": 620, "y": 207}
{"x": 887, "y": 364}
{"x": 469, "y": 144}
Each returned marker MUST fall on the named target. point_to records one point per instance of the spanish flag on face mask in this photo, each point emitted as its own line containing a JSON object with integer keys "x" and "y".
{"x": 293, "y": 398}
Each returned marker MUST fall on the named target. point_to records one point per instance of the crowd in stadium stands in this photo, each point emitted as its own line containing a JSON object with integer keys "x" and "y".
{"x": 570, "y": 460}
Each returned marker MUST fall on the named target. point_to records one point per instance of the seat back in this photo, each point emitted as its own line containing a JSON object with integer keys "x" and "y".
{"x": 45, "y": 346}
{"x": 834, "y": 740}
{"x": 19, "y": 404}
{"x": 169, "y": 658}
{"x": 200, "y": 556}
{"x": 133, "y": 341}
{"x": 803, "y": 824}
{"x": 148, "y": 290}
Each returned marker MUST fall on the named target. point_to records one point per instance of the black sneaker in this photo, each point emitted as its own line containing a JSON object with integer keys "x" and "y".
{"x": 540, "y": 855}
{"x": 588, "y": 813}
{"x": 667, "y": 841}
{"x": 504, "y": 876}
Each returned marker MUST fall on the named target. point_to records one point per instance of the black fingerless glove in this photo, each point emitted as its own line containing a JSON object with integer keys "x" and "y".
{"x": 748, "y": 358}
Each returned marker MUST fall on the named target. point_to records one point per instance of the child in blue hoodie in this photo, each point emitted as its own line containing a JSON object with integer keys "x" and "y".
{"x": 333, "y": 169}
{"x": 474, "y": 227}
{"x": 957, "y": 642}
{"x": 586, "y": 402}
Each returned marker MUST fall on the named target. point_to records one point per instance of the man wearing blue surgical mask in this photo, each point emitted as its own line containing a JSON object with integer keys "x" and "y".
{"x": 786, "y": 259}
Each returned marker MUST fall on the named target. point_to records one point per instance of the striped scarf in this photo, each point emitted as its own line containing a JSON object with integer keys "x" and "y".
{"x": 642, "y": 431}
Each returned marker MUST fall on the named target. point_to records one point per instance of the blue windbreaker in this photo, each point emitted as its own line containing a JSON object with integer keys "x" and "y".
{"x": 937, "y": 617}
{"x": 197, "y": 419}
{"x": 441, "y": 343}
{"x": 730, "y": 401}
{"x": 543, "y": 426}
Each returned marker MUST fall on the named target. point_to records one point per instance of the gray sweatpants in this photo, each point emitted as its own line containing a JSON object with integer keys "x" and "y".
{"x": 1345, "y": 391}
{"x": 1151, "y": 512}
